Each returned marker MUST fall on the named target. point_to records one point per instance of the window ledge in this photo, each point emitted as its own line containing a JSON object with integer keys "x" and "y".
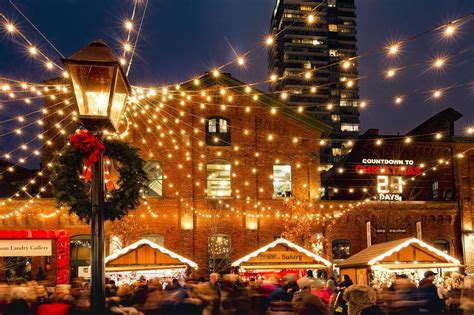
{"x": 220, "y": 198}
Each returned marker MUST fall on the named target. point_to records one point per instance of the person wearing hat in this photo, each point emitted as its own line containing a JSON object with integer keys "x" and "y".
{"x": 428, "y": 294}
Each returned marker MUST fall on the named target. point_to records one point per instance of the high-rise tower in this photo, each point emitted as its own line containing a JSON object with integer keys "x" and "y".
{"x": 313, "y": 57}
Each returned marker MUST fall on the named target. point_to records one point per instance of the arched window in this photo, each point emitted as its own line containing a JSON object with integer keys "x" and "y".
{"x": 219, "y": 251}
{"x": 442, "y": 245}
{"x": 218, "y": 131}
{"x": 155, "y": 238}
{"x": 341, "y": 249}
{"x": 218, "y": 179}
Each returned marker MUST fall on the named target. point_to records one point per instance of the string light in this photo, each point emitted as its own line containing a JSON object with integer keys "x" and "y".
{"x": 241, "y": 61}
{"x": 449, "y": 30}
{"x": 398, "y": 100}
{"x": 269, "y": 40}
{"x": 437, "y": 94}
{"x": 311, "y": 19}
{"x": 393, "y": 49}
{"x": 10, "y": 27}
{"x": 439, "y": 62}
{"x": 391, "y": 73}
{"x": 129, "y": 25}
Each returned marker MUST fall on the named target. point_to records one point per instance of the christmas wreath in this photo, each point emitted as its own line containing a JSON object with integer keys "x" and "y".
{"x": 72, "y": 173}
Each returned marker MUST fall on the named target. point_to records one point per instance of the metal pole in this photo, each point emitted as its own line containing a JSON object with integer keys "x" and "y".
{"x": 97, "y": 238}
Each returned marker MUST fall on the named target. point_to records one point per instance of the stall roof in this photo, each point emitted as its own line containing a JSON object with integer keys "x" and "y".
{"x": 380, "y": 254}
{"x": 158, "y": 257}
{"x": 314, "y": 259}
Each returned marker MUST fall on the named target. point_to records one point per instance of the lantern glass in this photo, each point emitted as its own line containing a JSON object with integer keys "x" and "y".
{"x": 92, "y": 87}
{"x": 119, "y": 99}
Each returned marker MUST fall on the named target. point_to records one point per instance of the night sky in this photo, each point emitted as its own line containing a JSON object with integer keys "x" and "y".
{"x": 181, "y": 39}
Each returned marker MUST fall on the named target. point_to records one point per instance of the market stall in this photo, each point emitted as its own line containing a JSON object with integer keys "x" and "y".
{"x": 146, "y": 259}
{"x": 380, "y": 263}
{"x": 280, "y": 257}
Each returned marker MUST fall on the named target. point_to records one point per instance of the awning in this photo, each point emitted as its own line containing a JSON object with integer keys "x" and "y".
{"x": 281, "y": 254}
{"x": 145, "y": 255}
{"x": 401, "y": 254}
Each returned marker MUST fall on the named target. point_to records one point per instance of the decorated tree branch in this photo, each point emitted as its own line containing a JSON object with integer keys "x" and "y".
{"x": 71, "y": 175}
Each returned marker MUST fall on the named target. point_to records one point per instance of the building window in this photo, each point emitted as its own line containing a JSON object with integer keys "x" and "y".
{"x": 155, "y": 238}
{"x": 219, "y": 251}
{"x": 307, "y": 65}
{"x": 434, "y": 190}
{"x": 277, "y": 237}
{"x": 218, "y": 179}
{"x": 218, "y": 131}
{"x": 306, "y": 8}
{"x": 332, "y": 3}
{"x": 115, "y": 244}
{"x": 80, "y": 247}
{"x": 341, "y": 249}
{"x": 442, "y": 245}
{"x": 336, "y": 151}
{"x": 155, "y": 178}
{"x": 332, "y": 27}
{"x": 333, "y": 53}
{"x": 350, "y": 127}
{"x": 282, "y": 180}
{"x": 335, "y": 117}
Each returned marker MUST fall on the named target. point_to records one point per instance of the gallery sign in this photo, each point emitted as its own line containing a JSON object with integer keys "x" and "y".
{"x": 25, "y": 247}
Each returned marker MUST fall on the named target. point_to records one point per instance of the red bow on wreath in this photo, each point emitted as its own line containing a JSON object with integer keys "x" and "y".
{"x": 92, "y": 147}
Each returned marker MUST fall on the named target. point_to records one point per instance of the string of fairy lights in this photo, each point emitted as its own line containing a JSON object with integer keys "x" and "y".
{"x": 148, "y": 105}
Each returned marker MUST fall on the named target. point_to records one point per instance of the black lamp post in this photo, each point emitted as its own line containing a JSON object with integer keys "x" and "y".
{"x": 101, "y": 90}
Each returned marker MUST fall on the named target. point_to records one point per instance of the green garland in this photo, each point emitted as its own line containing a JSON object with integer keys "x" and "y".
{"x": 72, "y": 191}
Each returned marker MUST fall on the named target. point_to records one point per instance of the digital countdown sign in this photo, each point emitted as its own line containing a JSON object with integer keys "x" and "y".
{"x": 390, "y": 174}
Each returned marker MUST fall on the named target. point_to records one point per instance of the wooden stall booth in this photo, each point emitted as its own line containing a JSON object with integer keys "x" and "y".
{"x": 147, "y": 259}
{"x": 279, "y": 258}
{"x": 380, "y": 263}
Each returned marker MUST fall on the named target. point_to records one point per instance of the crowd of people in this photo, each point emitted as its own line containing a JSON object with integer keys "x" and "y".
{"x": 227, "y": 295}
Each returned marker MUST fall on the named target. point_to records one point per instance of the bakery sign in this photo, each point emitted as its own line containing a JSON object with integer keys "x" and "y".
{"x": 281, "y": 257}
{"x": 390, "y": 175}
{"x": 25, "y": 247}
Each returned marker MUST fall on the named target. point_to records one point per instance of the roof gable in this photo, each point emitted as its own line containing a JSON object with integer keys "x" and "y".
{"x": 264, "y": 99}
{"x": 145, "y": 252}
{"x": 277, "y": 248}
{"x": 398, "y": 251}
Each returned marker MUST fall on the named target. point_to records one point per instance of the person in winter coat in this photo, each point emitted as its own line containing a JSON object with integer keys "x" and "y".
{"x": 305, "y": 303}
{"x": 210, "y": 293}
{"x": 361, "y": 300}
{"x": 428, "y": 292}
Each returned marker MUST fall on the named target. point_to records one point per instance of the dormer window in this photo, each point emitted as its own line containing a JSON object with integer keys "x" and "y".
{"x": 217, "y": 131}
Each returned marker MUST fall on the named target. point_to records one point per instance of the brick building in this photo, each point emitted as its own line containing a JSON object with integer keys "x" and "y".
{"x": 222, "y": 158}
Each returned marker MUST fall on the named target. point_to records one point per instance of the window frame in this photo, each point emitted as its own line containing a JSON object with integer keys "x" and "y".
{"x": 275, "y": 182}
{"x": 159, "y": 179}
{"x": 208, "y": 190}
{"x": 224, "y": 138}
{"x": 341, "y": 241}
{"x": 442, "y": 241}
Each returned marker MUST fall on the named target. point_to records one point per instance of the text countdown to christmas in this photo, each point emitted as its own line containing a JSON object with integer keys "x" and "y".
{"x": 390, "y": 175}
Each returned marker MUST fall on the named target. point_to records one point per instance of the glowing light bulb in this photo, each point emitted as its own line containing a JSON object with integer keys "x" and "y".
{"x": 33, "y": 50}
{"x": 393, "y": 49}
{"x": 215, "y": 73}
{"x": 308, "y": 75}
{"x": 378, "y": 142}
{"x": 398, "y": 99}
{"x": 284, "y": 96}
{"x": 470, "y": 130}
{"x": 300, "y": 109}
{"x": 273, "y": 77}
{"x": 129, "y": 25}
{"x": 363, "y": 104}
{"x": 122, "y": 61}
{"x": 350, "y": 83}
{"x": 438, "y": 63}
{"x": 437, "y": 94}
{"x": 273, "y": 111}
{"x": 449, "y": 30}
{"x": 314, "y": 89}
{"x": 10, "y": 27}
{"x": 407, "y": 140}
{"x": 346, "y": 64}
{"x": 248, "y": 89}
{"x": 127, "y": 47}
{"x": 311, "y": 19}
{"x": 438, "y": 136}
{"x": 330, "y": 106}
{"x": 241, "y": 61}
{"x": 391, "y": 73}
{"x": 49, "y": 65}
{"x": 269, "y": 40}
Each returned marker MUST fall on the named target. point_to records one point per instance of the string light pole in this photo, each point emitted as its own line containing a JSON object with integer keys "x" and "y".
{"x": 101, "y": 90}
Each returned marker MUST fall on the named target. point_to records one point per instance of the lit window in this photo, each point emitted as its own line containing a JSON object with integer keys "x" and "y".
{"x": 349, "y": 127}
{"x": 217, "y": 131}
{"x": 335, "y": 117}
{"x": 155, "y": 238}
{"x": 346, "y": 103}
{"x": 155, "y": 178}
{"x": 80, "y": 247}
{"x": 282, "y": 180}
{"x": 218, "y": 179}
{"x": 219, "y": 251}
{"x": 341, "y": 249}
{"x": 306, "y": 8}
{"x": 307, "y": 65}
{"x": 442, "y": 245}
{"x": 332, "y": 3}
{"x": 333, "y": 53}
{"x": 332, "y": 27}
{"x": 336, "y": 152}
{"x": 435, "y": 190}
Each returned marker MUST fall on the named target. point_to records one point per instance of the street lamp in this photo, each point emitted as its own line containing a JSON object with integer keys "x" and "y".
{"x": 101, "y": 90}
